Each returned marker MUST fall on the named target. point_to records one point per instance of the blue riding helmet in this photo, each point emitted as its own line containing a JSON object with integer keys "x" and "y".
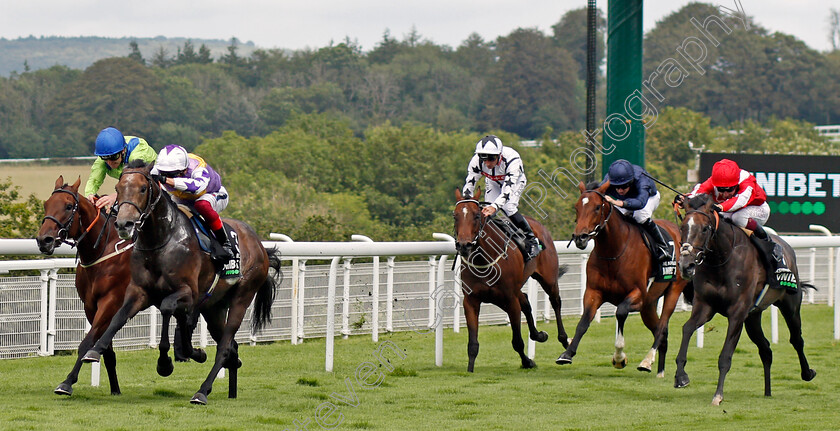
{"x": 620, "y": 173}
{"x": 109, "y": 142}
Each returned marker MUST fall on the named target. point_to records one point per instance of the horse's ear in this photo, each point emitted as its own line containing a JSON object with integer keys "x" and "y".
{"x": 581, "y": 187}
{"x": 604, "y": 187}
{"x": 458, "y": 195}
{"x": 59, "y": 182}
{"x": 477, "y": 193}
{"x": 76, "y": 185}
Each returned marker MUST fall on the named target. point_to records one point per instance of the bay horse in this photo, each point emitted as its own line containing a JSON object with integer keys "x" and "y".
{"x": 102, "y": 273}
{"x": 620, "y": 270}
{"x": 493, "y": 270}
{"x": 169, "y": 270}
{"x": 729, "y": 278}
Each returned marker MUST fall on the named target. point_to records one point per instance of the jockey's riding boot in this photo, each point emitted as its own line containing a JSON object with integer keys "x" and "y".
{"x": 772, "y": 255}
{"x": 660, "y": 245}
{"x": 532, "y": 244}
{"x": 226, "y": 252}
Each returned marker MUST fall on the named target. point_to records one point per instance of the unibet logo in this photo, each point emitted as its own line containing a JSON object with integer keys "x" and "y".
{"x": 796, "y": 208}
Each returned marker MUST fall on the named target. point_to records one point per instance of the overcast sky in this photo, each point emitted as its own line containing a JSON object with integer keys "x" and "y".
{"x": 296, "y": 24}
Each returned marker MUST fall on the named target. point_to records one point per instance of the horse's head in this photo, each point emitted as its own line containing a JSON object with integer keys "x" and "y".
{"x": 61, "y": 217}
{"x": 468, "y": 221}
{"x": 592, "y": 212}
{"x": 137, "y": 195}
{"x": 698, "y": 227}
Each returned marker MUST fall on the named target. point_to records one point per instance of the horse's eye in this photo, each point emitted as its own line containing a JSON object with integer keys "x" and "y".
{"x": 598, "y": 207}
{"x": 143, "y": 189}
{"x": 69, "y": 207}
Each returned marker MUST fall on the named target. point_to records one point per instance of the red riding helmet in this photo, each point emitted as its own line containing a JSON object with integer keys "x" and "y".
{"x": 725, "y": 173}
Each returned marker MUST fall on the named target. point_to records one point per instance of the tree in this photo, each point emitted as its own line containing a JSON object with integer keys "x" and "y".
{"x": 186, "y": 55}
{"x": 135, "y": 53}
{"x": 834, "y": 28}
{"x": 570, "y": 33}
{"x": 18, "y": 218}
{"x": 204, "y": 56}
{"x": 161, "y": 58}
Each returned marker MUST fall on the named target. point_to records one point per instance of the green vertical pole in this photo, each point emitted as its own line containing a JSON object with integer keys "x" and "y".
{"x": 624, "y": 76}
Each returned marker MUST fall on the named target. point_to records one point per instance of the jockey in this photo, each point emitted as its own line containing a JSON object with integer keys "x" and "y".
{"x": 192, "y": 182}
{"x": 739, "y": 198}
{"x": 632, "y": 192}
{"x": 505, "y": 180}
{"x": 114, "y": 151}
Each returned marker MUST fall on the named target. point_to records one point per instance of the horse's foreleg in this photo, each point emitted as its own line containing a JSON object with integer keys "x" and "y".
{"x": 660, "y": 335}
{"x": 553, "y": 291}
{"x": 533, "y": 333}
{"x": 789, "y": 306}
{"x": 700, "y": 314}
{"x": 66, "y": 387}
{"x": 135, "y": 300}
{"x": 591, "y": 301}
{"x": 619, "y": 359}
{"x": 472, "y": 308}
{"x": 733, "y": 334}
{"x": 756, "y": 334}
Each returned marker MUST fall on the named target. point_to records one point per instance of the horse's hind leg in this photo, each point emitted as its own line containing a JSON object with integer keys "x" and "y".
{"x": 472, "y": 308}
{"x": 552, "y": 289}
{"x": 700, "y": 314}
{"x": 514, "y": 312}
{"x": 756, "y": 334}
{"x": 789, "y": 306}
{"x": 223, "y": 332}
{"x": 533, "y": 333}
{"x": 110, "y": 360}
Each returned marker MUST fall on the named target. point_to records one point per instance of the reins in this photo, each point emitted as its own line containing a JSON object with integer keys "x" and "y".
{"x": 476, "y": 239}
{"x": 144, "y": 213}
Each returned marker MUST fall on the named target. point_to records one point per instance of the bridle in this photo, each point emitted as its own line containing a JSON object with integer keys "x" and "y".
{"x": 712, "y": 231}
{"x": 64, "y": 228}
{"x": 482, "y": 220}
{"x": 149, "y": 207}
{"x": 600, "y": 226}
{"x": 474, "y": 242}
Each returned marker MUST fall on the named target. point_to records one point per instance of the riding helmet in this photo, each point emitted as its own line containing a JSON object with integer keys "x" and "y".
{"x": 110, "y": 141}
{"x": 172, "y": 158}
{"x": 725, "y": 173}
{"x": 489, "y": 145}
{"x": 620, "y": 172}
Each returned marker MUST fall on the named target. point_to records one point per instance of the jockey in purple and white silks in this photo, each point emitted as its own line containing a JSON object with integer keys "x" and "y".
{"x": 504, "y": 183}
{"x": 192, "y": 182}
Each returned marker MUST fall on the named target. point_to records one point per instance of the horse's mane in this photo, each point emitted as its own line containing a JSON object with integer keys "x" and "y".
{"x": 698, "y": 201}
{"x": 592, "y": 185}
{"x": 137, "y": 163}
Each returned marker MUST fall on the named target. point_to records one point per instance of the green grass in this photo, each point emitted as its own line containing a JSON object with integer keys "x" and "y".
{"x": 280, "y": 384}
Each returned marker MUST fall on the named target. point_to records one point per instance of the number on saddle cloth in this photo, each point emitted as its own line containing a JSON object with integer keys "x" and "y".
{"x": 668, "y": 269}
{"x": 207, "y": 241}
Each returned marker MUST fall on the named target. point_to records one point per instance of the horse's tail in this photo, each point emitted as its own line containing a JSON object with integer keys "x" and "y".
{"x": 561, "y": 271}
{"x": 688, "y": 293}
{"x": 809, "y": 286}
{"x": 265, "y": 296}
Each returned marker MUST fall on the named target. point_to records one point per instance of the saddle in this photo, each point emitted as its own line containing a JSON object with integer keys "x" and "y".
{"x": 667, "y": 270}
{"x": 514, "y": 233}
{"x": 209, "y": 244}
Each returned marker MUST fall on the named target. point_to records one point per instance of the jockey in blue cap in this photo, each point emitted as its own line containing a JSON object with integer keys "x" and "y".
{"x": 114, "y": 151}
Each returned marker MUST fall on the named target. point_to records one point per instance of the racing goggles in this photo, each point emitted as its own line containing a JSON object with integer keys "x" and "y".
{"x": 488, "y": 157}
{"x": 726, "y": 189}
{"x": 112, "y": 157}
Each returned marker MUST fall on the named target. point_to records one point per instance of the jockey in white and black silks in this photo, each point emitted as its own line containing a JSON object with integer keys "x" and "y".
{"x": 504, "y": 182}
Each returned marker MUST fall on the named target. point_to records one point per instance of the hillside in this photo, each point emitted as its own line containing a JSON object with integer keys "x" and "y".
{"x": 80, "y": 52}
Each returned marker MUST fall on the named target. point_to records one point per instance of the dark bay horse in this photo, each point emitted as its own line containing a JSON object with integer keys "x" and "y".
{"x": 729, "y": 278}
{"x": 621, "y": 271}
{"x": 493, "y": 270}
{"x": 101, "y": 275}
{"x": 169, "y": 270}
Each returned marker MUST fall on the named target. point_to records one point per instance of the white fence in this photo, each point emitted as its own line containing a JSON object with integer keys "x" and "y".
{"x": 41, "y": 314}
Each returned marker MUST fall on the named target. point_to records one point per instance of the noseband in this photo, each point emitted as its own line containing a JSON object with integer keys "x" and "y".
{"x": 482, "y": 220}
{"x": 64, "y": 228}
{"x": 705, "y": 250}
{"x": 600, "y": 227}
{"x": 144, "y": 213}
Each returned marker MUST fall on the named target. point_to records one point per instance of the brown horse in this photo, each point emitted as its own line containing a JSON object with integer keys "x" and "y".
{"x": 169, "y": 270}
{"x": 493, "y": 270}
{"x": 621, "y": 271}
{"x": 101, "y": 275}
{"x": 730, "y": 279}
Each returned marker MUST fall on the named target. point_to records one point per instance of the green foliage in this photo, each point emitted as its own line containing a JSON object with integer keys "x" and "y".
{"x": 18, "y": 218}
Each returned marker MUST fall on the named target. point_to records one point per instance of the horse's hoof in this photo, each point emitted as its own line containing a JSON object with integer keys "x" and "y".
{"x": 644, "y": 368}
{"x": 164, "y": 366}
{"x": 199, "y": 399}
{"x": 619, "y": 364}
{"x": 116, "y": 393}
{"x": 564, "y": 359}
{"x": 541, "y": 337}
{"x": 529, "y": 364}
{"x": 717, "y": 400}
{"x": 809, "y": 375}
{"x": 64, "y": 389}
{"x": 199, "y": 355}
{"x": 681, "y": 381}
{"x": 91, "y": 356}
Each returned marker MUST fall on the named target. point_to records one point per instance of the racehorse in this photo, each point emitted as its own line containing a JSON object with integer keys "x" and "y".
{"x": 169, "y": 270}
{"x": 102, "y": 273}
{"x": 621, "y": 271}
{"x": 729, "y": 278}
{"x": 494, "y": 271}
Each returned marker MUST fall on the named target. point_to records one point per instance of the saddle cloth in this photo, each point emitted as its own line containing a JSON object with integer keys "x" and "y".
{"x": 667, "y": 270}
{"x": 209, "y": 244}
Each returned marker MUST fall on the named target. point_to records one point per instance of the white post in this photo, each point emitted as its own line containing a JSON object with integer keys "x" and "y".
{"x": 774, "y": 324}
{"x": 532, "y": 299}
{"x": 826, "y": 232}
{"x": 456, "y": 312}
{"x": 389, "y": 296}
{"x": 432, "y": 302}
{"x": 701, "y": 331}
{"x": 812, "y": 268}
{"x": 295, "y": 273}
{"x": 202, "y": 332}
{"x": 837, "y": 296}
{"x": 53, "y": 285}
{"x": 374, "y": 321}
{"x": 546, "y": 307}
{"x": 153, "y": 313}
{"x": 45, "y": 312}
{"x": 345, "y": 304}
{"x": 301, "y": 299}
{"x": 95, "y": 367}
{"x": 331, "y": 315}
